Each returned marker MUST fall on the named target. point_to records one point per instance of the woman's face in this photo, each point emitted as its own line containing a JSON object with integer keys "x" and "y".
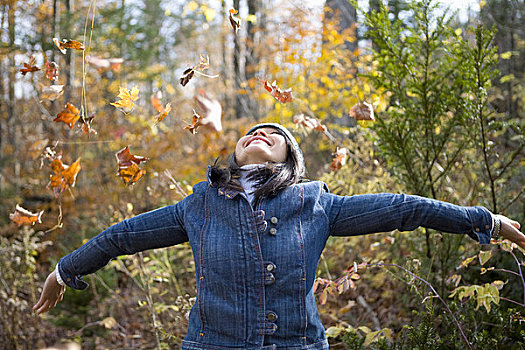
{"x": 261, "y": 146}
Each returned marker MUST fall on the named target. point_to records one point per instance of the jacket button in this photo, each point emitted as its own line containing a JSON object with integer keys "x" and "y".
{"x": 271, "y": 316}
{"x": 270, "y": 279}
{"x": 274, "y": 220}
{"x": 270, "y": 267}
{"x": 273, "y": 231}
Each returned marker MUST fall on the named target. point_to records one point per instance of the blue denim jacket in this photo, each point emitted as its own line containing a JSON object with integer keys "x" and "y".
{"x": 256, "y": 267}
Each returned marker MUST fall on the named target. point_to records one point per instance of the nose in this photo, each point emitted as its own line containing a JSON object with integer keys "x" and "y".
{"x": 260, "y": 132}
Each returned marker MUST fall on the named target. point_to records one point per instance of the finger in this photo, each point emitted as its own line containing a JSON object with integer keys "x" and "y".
{"x": 39, "y": 302}
{"x": 43, "y": 308}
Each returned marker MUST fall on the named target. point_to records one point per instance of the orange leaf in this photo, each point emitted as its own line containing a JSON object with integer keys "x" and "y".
{"x": 29, "y": 67}
{"x": 22, "y": 216}
{"x": 155, "y": 101}
{"x": 164, "y": 112}
{"x": 69, "y": 115}
{"x": 282, "y": 96}
{"x": 51, "y": 70}
{"x": 68, "y": 44}
{"x": 235, "y": 21}
{"x": 125, "y": 104}
{"x": 128, "y": 164}
{"x": 339, "y": 160}
{"x": 195, "y": 123}
{"x": 86, "y": 125}
{"x": 362, "y": 111}
{"x": 52, "y": 92}
{"x": 64, "y": 175}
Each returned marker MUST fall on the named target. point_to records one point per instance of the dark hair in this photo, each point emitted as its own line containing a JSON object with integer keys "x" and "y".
{"x": 270, "y": 179}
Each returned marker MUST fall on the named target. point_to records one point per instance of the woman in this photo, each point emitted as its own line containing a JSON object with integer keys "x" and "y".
{"x": 257, "y": 232}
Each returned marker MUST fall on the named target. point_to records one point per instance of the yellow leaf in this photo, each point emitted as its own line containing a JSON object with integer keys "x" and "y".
{"x": 126, "y": 99}
{"x": 458, "y": 31}
{"x": 377, "y": 335}
{"x": 482, "y": 3}
{"x": 506, "y": 55}
{"x": 484, "y": 256}
{"x": 209, "y": 13}
{"x": 108, "y": 322}
{"x": 252, "y": 19}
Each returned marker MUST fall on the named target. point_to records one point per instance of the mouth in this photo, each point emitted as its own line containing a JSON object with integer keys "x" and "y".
{"x": 257, "y": 138}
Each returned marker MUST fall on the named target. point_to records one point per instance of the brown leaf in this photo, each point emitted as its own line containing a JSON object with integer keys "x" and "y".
{"x": 128, "y": 164}
{"x": 131, "y": 174}
{"x": 52, "y": 92}
{"x": 195, "y": 123}
{"x": 64, "y": 175}
{"x": 69, "y": 115}
{"x": 86, "y": 125}
{"x": 29, "y": 67}
{"x": 22, "y": 216}
{"x": 51, "y": 70}
{"x": 187, "y": 75}
{"x": 125, "y": 158}
{"x": 362, "y": 111}
{"x": 339, "y": 160}
{"x": 235, "y": 21}
{"x": 309, "y": 122}
{"x": 282, "y": 96}
{"x": 68, "y": 44}
{"x": 163, "y": 113}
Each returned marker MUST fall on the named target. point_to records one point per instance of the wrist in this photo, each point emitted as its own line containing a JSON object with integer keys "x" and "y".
{"x": 496, "y": 228}
{"x": 58, "y": 277}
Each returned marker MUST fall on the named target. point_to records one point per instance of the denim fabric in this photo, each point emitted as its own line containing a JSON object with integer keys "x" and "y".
{"x": 255, "y": 267}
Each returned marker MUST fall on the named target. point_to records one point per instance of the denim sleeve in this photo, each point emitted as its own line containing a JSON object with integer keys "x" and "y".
{"x": 371, "y": 213}
{"x": 155, "y": 229}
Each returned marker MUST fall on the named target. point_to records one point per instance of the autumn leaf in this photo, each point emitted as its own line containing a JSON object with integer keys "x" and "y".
{"x": 362, "y": 111}
{"x": 65, "y": 44}
{"x": 128, "y": 166}
{"x": 69, "y": 115}
{"x": 282, "y": 96}
{"x": 51, "y": 70}
{"x": 234, "y": 20}
{"x": 156, "y": 101}
{"x": 339, "y": 160}
{"x": 86, "y": 125}
{"x": 64, "y": 175}
{"x": 125, "y": 104}
{"x": 103, "y": 64}
{"x": 163, "y": 112}
{"x": 195, "y": 123}
{"x": 29, "y": 67}
{"x": 22, "y": 216}
{"x": 309, "y": 122}
{"x": 203, "y": 64}
{"x": 52, "y": 92}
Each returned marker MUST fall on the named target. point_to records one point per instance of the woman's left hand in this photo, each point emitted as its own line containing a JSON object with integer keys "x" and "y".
{"x": 510, "y": 230}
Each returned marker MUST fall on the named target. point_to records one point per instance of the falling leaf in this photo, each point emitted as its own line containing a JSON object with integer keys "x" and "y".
{"x": 29, "y": 67}
{"x": 309, "y": 122}
{"x": 204, "y": 63}
{"x": 64, "y": 175}
{"x": 51, "y": 70}
{"x": 186, "y": 76}
{"x": 103, "y": 64}
{"x": 280, "y": 95}
{"x": 156, "y": 101}
{"x": 194, "y": 123}
{"x": 22, "y": 216}
{"x": 69, "y": 115}
{"x": 128, "y": 166}
{"x": 52, "y": 92}
{"x": 68, "y": 44}
{"x": 163, "y": 112}
{"x": 125, "y": 104}
{"x": 362, "y": 111}
{"x": 339, "y": 160}
{"x": 86, "y": 125}
{"x": 234, "y": 20}
{"x": 115, "y": 63}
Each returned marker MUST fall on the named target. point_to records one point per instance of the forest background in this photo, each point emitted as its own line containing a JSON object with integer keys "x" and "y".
{"x": 448, "y": 93}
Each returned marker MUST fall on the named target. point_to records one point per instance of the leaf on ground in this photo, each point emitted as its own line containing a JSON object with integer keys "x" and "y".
{"x": 65, "y": 44}
{"x": 69, "y": 115}
{"x": 125, "y": 104}
{"x": 23, "y": 216}
{"x": 29, "y": 67}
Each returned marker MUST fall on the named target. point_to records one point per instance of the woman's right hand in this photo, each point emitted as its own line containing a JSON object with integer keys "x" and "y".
{"x": 510, "y": 230}
{"x": 52, "y": 293}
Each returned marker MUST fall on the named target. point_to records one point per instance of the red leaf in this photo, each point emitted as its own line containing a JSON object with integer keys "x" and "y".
{"x": 128, "y": 164}
{"x": 29, "y": 67}
{"x": 51, "y": 70}
{"x": 22, "y": 216}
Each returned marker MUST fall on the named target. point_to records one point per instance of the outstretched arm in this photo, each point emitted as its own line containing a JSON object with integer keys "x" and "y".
{"x": 371, "y": 213}
{"x": 155, "y": 229}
